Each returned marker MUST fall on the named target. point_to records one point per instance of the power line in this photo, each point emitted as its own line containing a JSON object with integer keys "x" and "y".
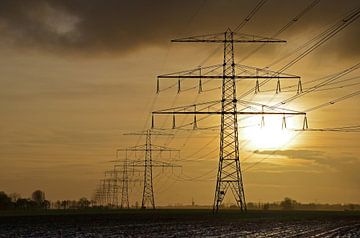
{"x": 238, "y": 27}
{"x": 319, "y": 40}
{"x": 285, "y": 27}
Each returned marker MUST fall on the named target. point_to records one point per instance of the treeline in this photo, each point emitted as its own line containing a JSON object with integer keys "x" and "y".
{"x": 82, "y": 203}
{"x": 15, "y": 201}
{"x": 290, "y": 204}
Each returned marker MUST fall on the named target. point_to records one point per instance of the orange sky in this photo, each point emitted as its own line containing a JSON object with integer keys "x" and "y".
{"x": 74, "y": 79}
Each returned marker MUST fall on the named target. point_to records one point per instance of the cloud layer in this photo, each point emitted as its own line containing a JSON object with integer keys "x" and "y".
{"x": 116, "y": 27}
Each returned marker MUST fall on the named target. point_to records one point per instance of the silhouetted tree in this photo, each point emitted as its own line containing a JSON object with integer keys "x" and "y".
{"x": 65, "y": 204}
{"x": 288, "y": 204}
{"x": 45, "y": 204}
{"x": 5, "y": 201}
{"x": 83, "y": 203}
{"x": 22, "y": 203}
{"x": 57, "y": 204}
{"x": 38, "y": 196}
{"x": 266, "y": 206}
{"x": 14, "y": 197}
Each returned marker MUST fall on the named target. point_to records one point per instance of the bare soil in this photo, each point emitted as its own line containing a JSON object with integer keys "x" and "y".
{"x": 179, "y": 223}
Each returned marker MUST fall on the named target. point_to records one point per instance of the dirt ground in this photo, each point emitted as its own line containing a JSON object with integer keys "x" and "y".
{"x": 180, "y": 223}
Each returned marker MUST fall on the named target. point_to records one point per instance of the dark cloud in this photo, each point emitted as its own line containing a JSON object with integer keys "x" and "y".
{"x": 113, "y": 26}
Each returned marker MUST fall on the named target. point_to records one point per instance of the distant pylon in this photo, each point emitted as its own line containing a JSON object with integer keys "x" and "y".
{"x": 148, "y": 192}
{"x": 125, "y": 186}
{"x": 148, "y": 164}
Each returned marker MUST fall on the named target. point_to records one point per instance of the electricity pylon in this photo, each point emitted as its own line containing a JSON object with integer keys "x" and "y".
{"x": 125, "y": 183}
{"x": 125, "y": 186}
{"x": 149, "y": 164}
{"x": 115, "y": 179}
{"x": 113, "y": 186}
{"x": 104, "y": 191}
{"x": 229, "y": 169}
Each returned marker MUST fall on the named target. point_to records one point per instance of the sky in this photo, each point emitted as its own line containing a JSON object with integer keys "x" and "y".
{"x": 76, "y": 75}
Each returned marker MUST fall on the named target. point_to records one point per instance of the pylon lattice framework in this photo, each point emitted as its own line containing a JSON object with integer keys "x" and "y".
{"x": 148, "y": 164}
{"x": 229, "y": 169}
{"x": 109, "y": 189}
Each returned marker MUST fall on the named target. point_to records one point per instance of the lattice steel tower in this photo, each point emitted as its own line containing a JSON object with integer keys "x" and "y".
{"x": 229, "y": 169}
{"x": 148, "y": 192}
{"x": 149, "y": 163}
{"x": 125, "y": 186}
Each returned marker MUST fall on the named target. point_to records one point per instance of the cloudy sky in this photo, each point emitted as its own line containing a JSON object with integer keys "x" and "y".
{"x": 76, "y": 75}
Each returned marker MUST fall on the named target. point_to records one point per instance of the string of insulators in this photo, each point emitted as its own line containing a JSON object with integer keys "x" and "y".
{"x": 262, "y": 121}
{"x": 262, "y": 124}
{"x": 157, "y": 86}
{"x": 278, "y": 87}
{"x": 283, "y": 125}
{"x": 200, "y": 87}
{"x": 173, "y": 125}
{"x": 195, "y": 120}
{"x": 179, "y": 86}
{"x": 200, "y": 84}
{"x": 305, "y": 124}
{"x": 257, "y": 87}
{"x": 152, "y": 122}
{"x": 299, "y": 87}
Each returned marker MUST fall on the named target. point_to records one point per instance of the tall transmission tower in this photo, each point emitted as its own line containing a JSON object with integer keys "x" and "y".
{"x": 149, "y": 163}
{"x": 229, "y": 169}
{"x": 125, "y": 181}
{"x": 104, "y": 193}
{"x": 107, "y": 193}
{"x": 125, "y": 186}
{"x": 113, "y": 186}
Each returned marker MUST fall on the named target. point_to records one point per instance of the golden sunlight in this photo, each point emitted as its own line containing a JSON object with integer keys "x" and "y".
{"x": 269, "y": 133}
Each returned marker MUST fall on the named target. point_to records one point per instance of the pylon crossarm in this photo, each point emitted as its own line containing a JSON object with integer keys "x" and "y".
{"x": 204, "y": 105}
{"x": 160, "y": 165}
{"x": 259, "y": 72}
{"x": 140, "y": 163}
{"x": 237, "y": 38}
{"x": 163, "y": 148}
{"x": 113, "y": 172}
{"x": 133, "y": 148}
{"x": 227, "y": 77}
{"x": 197, "y": 72}
{"x": 229, "y": 113}
{"x": 129, "y": 165}
{"x": 215, "y": 72}
{"x": 157, "y": 164}
{"x": 263, "y": 106}
{"x": 152, "y": 148}
{"x": 144, "y": 133}
{"x": 207, "y": 106}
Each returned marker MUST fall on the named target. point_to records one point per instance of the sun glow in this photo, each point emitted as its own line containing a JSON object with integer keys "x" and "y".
{"x": 269, "y": 135}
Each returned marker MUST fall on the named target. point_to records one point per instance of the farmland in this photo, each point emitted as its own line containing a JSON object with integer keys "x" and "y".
{"x": 179, "y": 223}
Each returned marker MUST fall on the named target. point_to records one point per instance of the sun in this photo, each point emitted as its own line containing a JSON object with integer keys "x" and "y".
{"x": 270, "y": 135}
